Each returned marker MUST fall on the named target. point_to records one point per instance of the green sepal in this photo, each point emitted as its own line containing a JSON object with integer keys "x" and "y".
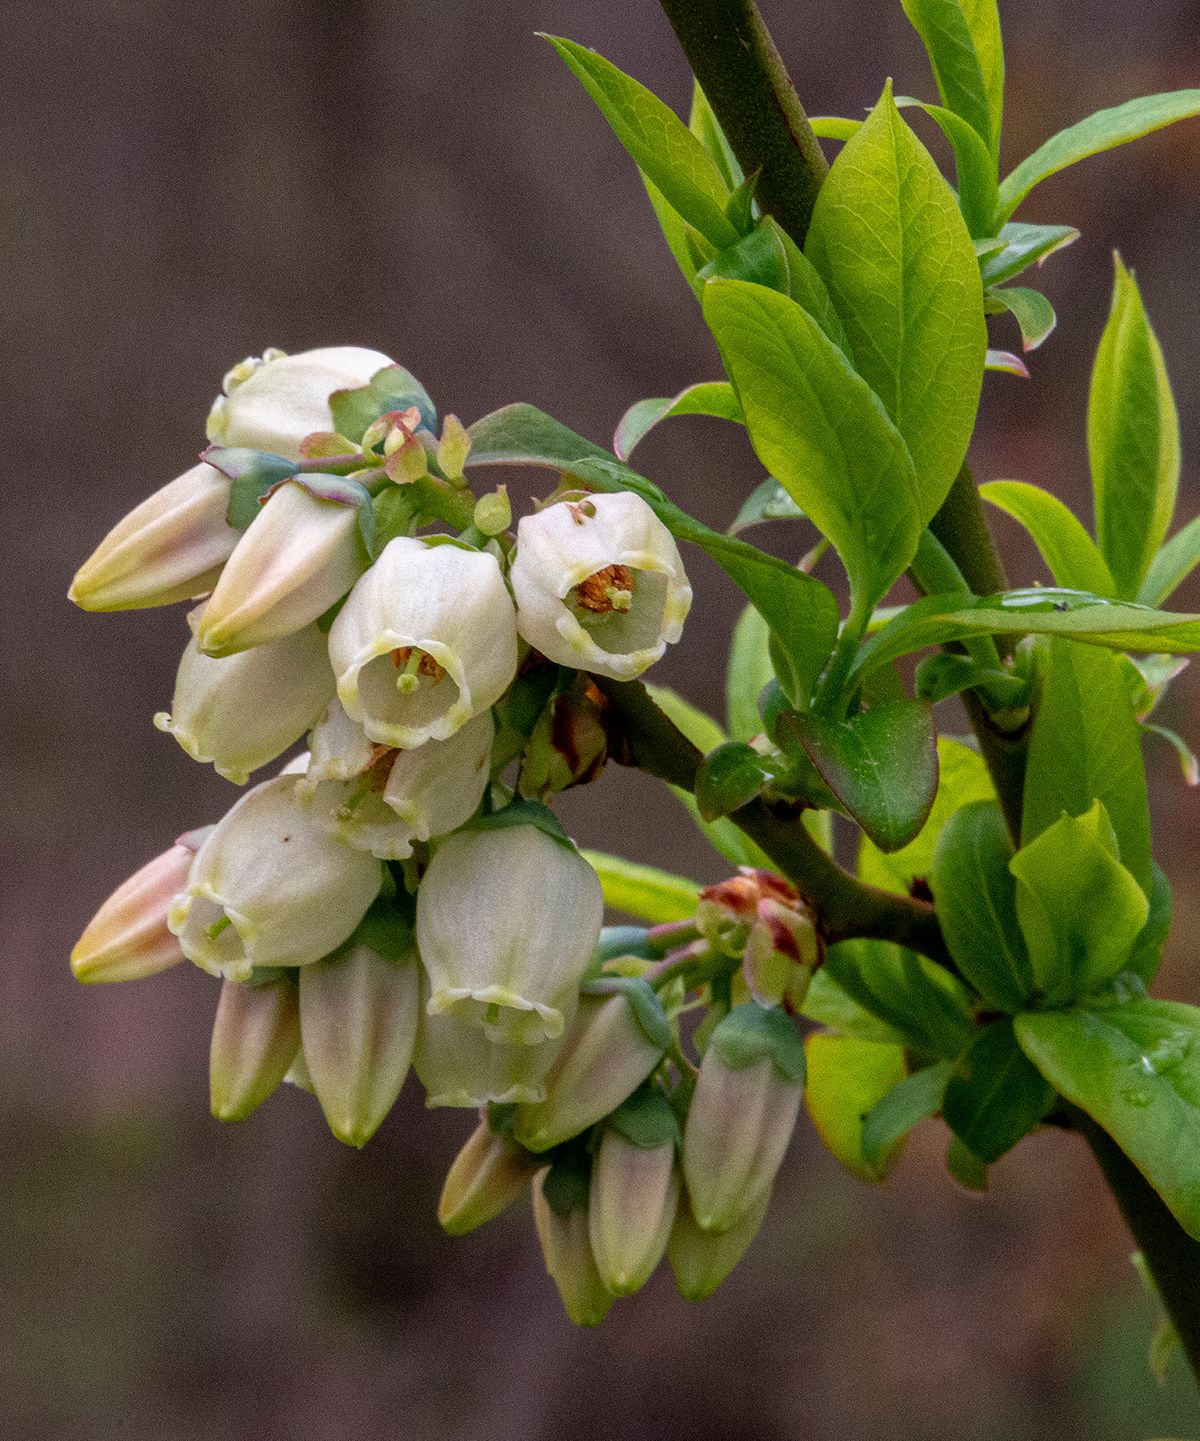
{"x": 568, "y": 1181}
{"x": 647, "y": 1119}
{"x": 389, "y": 389}
{"x": 913, "y": 1100}
{"x": 500, "y": 1116}
{"x": 751, "y": 1033}
{"x": 995, "y": 1095}
{"x": 643, "y": 1002}
{"x": 728, "y": 777}
{"x": 388, "y": 928}
{"x": 523, "y": 813}
{"x": 253, "y": 475}
{"x": 261, "y": 976}
{"x": 396, "y": 508}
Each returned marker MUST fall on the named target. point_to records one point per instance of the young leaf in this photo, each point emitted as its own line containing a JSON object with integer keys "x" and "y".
{"x": 767, "y": 501}
{"x": 1033, "y": 312}
{"x": 819, "y": 429}
{"x": 940, "y": 676}
{"x": 809, "y": 291}
{"x": 829, "y": 1005}
{"x": 889, "y": 241}
{"x": 705, "y": 126}
{"x": 748, "y": 672}
{"x": 881, "y": 764}
{"x": 1146, "y": 956}
{"x": 923, "y": 1001}
{"x": 847, "y": 1078}
{"x": 1007, "y": 363}
{"x": 1133, "y": 438}
{"x": 962, "y": 38}
{"x": 644, "y": 892}
{"x": 1102, "y": 131}
{"x": 995, "y": 1095}
{"x": 889, "y": 1121}
{"x": 974, "y": 163}
{"x": 976, "y": 903}
{"x": 1080, "y": 909}
{"x": 1135, "y": 1069}
{"x": 662, "y": 146}
{"x": 1085, "y": 747}
{"x": 1020, "y": 246}
{"x": 710, "y": 397}
{"x": 676, "y": 232}
{"x": 834, "y": 127}
{"x": 1070, "y": 553}
{"x": 728, "y": 777}
{"x": 1187, "y": 757}
{"x": 1172, "y": 565}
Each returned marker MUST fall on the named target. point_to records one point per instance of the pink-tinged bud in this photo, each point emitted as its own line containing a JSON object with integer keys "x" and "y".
{"x": 128, "y": 938}
{"x": 274, "y": 403}
{"x": 759, "y": 916}
{"x": 634, "y": 1191}
{"x": 169, "y": 548}
{"x": 742, "y": 1114}
{"x": 507, "y": 920}
{"x": 619, "y": 1035}
{"x": 245, "y": 710}
{"x": 567, "y": 1251}
{"x": 701, "y": 1260}
{"x": 358, "y": 1019}
{"x": 255, "y": 1040}
{"x": 269, "y": 887}
{"x": 301, "y": 553}
{"x": 486, "y": 1177}
{"x": 599, "y": 584}
{"x": 426, "y": 640}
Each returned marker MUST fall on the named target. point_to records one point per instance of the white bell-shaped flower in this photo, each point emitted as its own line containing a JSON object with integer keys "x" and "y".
{"x": 599, "y": 584}
{"x": 270, "y": 887}
{"x": 273, "y": 403}
{"x": 241, "y": 711}
{"x": 300, "y": 554}
{"x": 426, "y": 640}
{"x": 169, "y": 548}
{"x": 507, "y": 920}
{"x": 402, "y": 797}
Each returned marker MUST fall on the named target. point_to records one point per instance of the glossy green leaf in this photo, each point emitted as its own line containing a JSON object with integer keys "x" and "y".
{"x": 996, "y": 1095}
{"x": 827, "y": 1003}
{"x": 809, "y": 291}
{"x": 757, "y": 257}
{"x": 749, "y": 670}
{"x": 1135, "y": 1069}
{"x": 962, "y": 38}
{"x": 846, "y": 1080}
{"x": 974, "y": 164}
{"x": 1147, "y": 953}
{"x": 881, "y": 764}
{"x": 906, "y": 1105}
{"x": 710, "y": 397}
{"x": 767, "y": 501}
{"x": 1172, "y": 565}
{"x": 965, "y": 1166}
{"x": 728, "y": 777}
{"x": 818, "y": 428}
{"x": 928, "y": 1006}
{"x": 641, "y": 891}
{"x": 675, "y": 230}
{"x": 1133, "y": 438}
{"x": 705, "y": 126}
{"x": 1085, "y": 746}
{"x": 940, "y": 676}
{"x": 1071, "y": 555}
{"x": 1102, "y": 131}
{"x": 1022, "y": 245}
{"x": 661, "y": 145}
{"x": 890, "y": 243}
{"x": 1032, "y": 311}
{"x": 975, "y": 895}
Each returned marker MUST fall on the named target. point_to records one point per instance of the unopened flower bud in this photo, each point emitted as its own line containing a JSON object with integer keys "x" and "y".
{"x": 701, "y": 1260}
{"x": 244, "y": 710}
{"x": 599, "y": 584}
{"x": 486, "y": 1177}
{"x": 270, "y": 887}
{"x": 634, "y": 1192}
{"x": 426, "y": 640}
{"x": 453, "y": 448}
{"x": 562, "y": 1228}
{"x": 169, "y": 548}
{"x": 128, "y": 938}
{"x": 274, "y": 403}
{"x": 760, "y": 917}
{"x": 358, "y": 1020}
{"x": 742, "y": 1113}
{"x": 255, "y": 1040}
{"x": 507, "y": 919}
{"x": 493, "y": 512}
{"x": 300, "y": 555}
{"x": 569, "y": 744}
{"x": 620, "y": 1033}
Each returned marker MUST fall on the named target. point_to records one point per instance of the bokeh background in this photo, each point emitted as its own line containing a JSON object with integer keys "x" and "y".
{"x": 185, "y": 184}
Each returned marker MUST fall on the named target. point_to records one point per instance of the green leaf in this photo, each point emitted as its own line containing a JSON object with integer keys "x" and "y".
{"x": 889, "y": 1121}
{"x": 928, "y": 1006}
{"x": 965, "y": 1166}
{"x": 1081, "y": 911}
{"x": 728, "y": 777}
{"x": 1085, "y": 747}
{"x": 800, "y": 611}
{"x": 881, "y": 764}
{"x": 829, "y": 1005}
{"x": 962, "y": 38}
{"x": 995, "y": 1095}
{"x": 818, "y": 428}
{"x": 661, "y": 145}
{"x": 1147, "y": 952}
{"x": 705, "y": 126}
{"x": 710, "y": 397}
{"x": 1034, "y": 313}
{"x": 675, "y": 231}
{"x": 1187, "y": 757}
{"x": 809, "y": 291}
{"x": 1020, "y": 246}
{"x": 392, "y": 388}
{"x": 1135, "y": 1069}
{"x": 846, "y": 1080}
{"x": 1102, "y": 131}
{"x": 642, "y": 891}
{"x": 940, "y": 676}
{"x": 1071, "y": 555}
{"x": 253, "y": 473}
{"x": 1133, "y": 438}
{"x": 834, "y": 127}
{"x": 890, "y": 243}
{"x": 974, "y": 163}
{"x": 753, "y": 1033}
{"x": 748, "y": 672}
{"x": 1172, "y": 565}
{"x": 757, "y": 257}
{"x": 767, "y": 501}
{"x": 975, "y": 895}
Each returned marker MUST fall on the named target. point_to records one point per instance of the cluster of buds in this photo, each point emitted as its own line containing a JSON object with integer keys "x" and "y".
{"x": 398, "y": 896}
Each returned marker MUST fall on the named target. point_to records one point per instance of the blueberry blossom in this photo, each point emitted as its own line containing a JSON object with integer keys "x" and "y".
{"x": 255, "y": 1041}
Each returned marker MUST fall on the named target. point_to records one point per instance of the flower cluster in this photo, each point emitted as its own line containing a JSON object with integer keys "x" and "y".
{"x": 398, "y": 895}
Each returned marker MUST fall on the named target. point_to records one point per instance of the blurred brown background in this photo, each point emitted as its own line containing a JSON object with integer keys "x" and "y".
{"x": 185, "y": 184}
